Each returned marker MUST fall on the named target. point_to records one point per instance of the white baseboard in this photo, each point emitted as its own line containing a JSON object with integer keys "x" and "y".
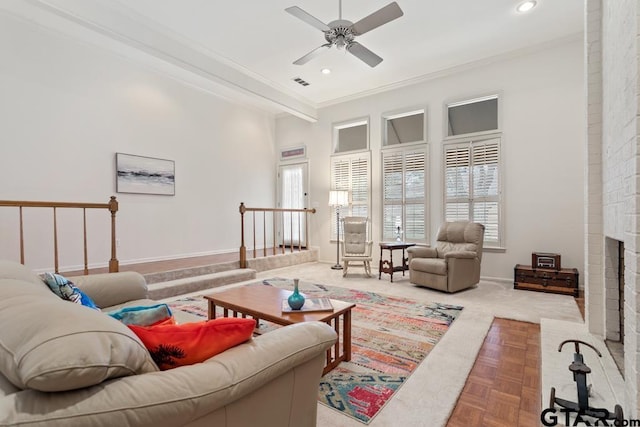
{"x": 497, "y": 279}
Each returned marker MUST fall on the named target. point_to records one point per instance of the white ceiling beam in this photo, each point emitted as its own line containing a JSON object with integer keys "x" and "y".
{"x": 192, "y": 64}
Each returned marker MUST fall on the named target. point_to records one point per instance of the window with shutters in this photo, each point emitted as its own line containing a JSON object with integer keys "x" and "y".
{"x": 404, "y": 193}
{"x": 473, "y": 184}
{"x": 351, "y": 172}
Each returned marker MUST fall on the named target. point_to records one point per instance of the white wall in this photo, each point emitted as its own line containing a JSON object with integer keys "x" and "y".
{"x": 67, "y": 107}
{"x": 542, "y": 96}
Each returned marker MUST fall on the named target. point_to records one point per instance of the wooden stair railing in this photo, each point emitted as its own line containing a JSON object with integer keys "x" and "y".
{"x": 112, "y": 206}
{"x": 275, "y": 222}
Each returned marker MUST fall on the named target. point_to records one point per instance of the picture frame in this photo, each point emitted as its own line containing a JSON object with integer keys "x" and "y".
{"x": 144, "y": 175}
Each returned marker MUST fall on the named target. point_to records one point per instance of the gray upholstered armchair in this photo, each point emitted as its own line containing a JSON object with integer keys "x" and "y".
{"x": 356, "y": 246}
{"x": 454, "y": 264}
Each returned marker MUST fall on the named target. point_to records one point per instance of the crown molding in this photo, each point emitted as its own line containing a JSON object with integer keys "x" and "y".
{"x": 455, "y": 69}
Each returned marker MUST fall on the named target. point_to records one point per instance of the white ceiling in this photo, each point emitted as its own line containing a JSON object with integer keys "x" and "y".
{"x": 258, "y": 40}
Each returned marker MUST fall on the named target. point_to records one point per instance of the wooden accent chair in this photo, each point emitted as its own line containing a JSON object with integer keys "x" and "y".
{"x": 454, "y": 264}
{"x": 355, "y": 246}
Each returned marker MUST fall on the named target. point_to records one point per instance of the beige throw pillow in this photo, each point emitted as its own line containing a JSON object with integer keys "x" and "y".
{"x": 49, "y": 344}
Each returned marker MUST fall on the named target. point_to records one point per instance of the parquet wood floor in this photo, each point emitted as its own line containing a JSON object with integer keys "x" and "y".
{"x": 503, "y": 387}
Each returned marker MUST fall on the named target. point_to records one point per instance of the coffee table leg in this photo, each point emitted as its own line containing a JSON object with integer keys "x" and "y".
{"x": 212, "y": 310}
{"x": 346, "y": 335}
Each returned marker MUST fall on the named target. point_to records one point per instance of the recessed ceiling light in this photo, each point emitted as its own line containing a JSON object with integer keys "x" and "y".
{"x": 526, "y": 6}
{"x": 325, "y": 71}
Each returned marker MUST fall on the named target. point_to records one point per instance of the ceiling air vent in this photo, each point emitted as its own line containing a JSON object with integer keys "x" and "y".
{"x": 300, "y": 81}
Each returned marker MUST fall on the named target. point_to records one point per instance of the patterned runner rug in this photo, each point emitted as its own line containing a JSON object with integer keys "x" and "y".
{"x": 390, "y": 337}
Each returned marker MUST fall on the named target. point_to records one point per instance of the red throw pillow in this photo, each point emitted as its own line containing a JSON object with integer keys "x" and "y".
{"x": 171, "y": 346}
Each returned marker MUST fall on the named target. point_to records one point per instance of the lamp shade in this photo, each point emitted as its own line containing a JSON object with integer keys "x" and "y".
{"x": 338, "y": 198}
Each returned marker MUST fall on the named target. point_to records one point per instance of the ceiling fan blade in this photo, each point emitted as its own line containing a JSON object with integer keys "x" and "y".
{"x": 309, "y": 56}
{"x": 309, "y": 19}
{"x": 382, "y": 16}
{"x": 364, "y": 54}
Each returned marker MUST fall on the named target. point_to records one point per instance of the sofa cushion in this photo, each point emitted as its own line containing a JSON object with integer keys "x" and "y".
{"x": 15, "y": 270}
{"x": 178, "y": 345}
{"x": 66, "y": 290}
{"x": 52, "y": 345}
{"x": 110, "y": 289}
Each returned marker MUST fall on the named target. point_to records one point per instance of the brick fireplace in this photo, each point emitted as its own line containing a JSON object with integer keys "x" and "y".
{"x": 612, "y": 190}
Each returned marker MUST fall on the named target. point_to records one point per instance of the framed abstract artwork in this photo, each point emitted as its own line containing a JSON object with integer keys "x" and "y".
{"x": 144, "y": 175}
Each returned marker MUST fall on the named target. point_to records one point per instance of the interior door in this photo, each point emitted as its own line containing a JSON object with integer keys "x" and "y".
{"x": 293, "y": 185}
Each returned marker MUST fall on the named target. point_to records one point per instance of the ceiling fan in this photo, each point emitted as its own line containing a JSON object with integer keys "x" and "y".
{"x": 342, "y": 33}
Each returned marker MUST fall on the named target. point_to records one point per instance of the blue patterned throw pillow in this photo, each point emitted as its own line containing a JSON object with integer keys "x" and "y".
{"x": 65, "y": 289}
{"x": 142, "y": 315}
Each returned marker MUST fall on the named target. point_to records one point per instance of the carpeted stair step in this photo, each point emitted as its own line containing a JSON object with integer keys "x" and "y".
{"x": 165, "y": 276}
{"x": 187, "y": 285}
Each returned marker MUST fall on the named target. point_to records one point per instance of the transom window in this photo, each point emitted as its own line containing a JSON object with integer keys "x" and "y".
{"x": 404, "y": 128}
{"x": 351, "y": 136}
{"x": 473, "y": 115}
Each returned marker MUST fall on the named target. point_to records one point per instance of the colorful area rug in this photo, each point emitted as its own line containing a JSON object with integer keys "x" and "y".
{"x": 390, "y": 337}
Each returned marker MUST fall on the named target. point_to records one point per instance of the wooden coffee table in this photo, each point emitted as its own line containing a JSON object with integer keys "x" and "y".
{"x": 265, "y": 302}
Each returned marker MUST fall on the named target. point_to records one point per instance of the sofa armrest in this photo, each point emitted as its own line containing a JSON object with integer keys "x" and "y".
{"x": 111, "y": 289}
{"x": 461, "y": 255}
{"x": 421, "y": 252}
{"x": 289, "y": 359}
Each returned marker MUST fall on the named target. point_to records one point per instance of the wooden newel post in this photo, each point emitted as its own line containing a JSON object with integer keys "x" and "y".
{"x": 243, "y": 249}
{"x": 113, "y": 262}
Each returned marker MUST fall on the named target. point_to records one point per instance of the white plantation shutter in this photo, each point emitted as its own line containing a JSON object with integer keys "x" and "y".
{"x": 392, "y": 182}
{"x": 472, "y": 185}
{"x": 352, "y": 173}
{"x": 414, "y": 196}
{"x": 486, "y": 209}
{"x": 359, "y": 205}
{"x": 456, "y": 176}
{"x": 403, "y": 193}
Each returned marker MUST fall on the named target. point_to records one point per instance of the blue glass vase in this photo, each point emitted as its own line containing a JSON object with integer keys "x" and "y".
{"x": 296, "y": 299}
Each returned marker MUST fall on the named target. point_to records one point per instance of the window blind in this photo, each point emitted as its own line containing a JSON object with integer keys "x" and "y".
{"x": 404, "y": 190}
{"x": 351, "y": 173}
{"x": 472, "y": 185}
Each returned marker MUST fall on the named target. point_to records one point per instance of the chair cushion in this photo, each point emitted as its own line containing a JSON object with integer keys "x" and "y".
{"x": 52, "y": 345}
{"x": 445, "y": 247}
{"x": 430, "y": 265}
{"x": 355, "y": 235}
{"x": 178, "y": 345}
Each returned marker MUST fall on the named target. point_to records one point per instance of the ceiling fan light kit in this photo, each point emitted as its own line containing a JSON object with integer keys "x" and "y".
{"x": 342, "y": 33}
